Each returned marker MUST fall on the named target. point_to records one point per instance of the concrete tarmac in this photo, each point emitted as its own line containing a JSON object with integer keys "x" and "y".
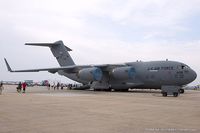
{"x": 70, "y": 111}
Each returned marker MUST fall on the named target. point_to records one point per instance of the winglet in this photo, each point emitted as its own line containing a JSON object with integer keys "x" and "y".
{"x": 8, "y": 66}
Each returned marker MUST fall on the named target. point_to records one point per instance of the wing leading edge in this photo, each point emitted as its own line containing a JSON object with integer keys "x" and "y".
{"x": 69, "y": 69}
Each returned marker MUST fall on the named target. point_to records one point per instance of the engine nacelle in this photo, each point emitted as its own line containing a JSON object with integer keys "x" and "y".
{"x": 90, "y": 74}
{"x": 123, "y": 73}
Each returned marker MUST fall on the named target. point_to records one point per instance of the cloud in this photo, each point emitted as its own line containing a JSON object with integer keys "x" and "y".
{"x": 150, "y": 12}
{"x": 99, "y": 31}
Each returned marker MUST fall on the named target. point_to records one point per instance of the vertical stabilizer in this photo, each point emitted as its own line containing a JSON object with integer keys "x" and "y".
{"x": 59, "y": 50}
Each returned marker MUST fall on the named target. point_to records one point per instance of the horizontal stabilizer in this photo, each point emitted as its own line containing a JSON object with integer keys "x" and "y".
{"x": 48, "y": 44}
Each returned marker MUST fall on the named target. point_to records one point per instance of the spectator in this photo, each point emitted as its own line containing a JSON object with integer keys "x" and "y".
{"x": 24, "y": 87}
{"x": 58, "y": 85}
{"x": 19, "y": 87}
{"x": 1, "y": 87}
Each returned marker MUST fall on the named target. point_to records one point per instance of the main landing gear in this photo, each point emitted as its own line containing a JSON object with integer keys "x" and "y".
{"x": 181, "y": 91}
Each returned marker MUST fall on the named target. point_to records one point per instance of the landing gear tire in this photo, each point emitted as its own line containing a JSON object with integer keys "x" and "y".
{"x": 175, "y": 94}
{"x": 108, "y": 90}
{"x": 164, "y": 94}
{"x": 117, "y": 90}
{"x": 121, "y": 90}
{"x": 97, "y": 89}
{"x": 124, "y": 90}
{"x": 181, "y": 91}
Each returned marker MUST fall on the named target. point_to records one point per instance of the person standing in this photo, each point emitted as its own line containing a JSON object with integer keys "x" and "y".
{"x": 24, "y": 87}
{"x": 48, "y": 86}
{"x": 58, "y": 85}
{"x": 54, "y": 86}
{"x": 1, "y": 87}
{"x": 61, "y": 86}
{"x": 19, "y": 87}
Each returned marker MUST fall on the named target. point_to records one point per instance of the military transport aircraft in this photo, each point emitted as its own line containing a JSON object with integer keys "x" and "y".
{"x": 153, "y": 74}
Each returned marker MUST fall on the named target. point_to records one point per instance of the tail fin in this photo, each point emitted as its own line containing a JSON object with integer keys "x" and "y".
{"x": 59, "y": 50}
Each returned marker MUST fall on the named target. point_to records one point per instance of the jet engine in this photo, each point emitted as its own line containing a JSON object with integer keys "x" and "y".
{"x": 90, "y": 74}
{"x": 123, "y": 73}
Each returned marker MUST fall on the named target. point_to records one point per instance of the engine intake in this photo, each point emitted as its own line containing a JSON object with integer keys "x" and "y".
{"x": 90, "y": 74}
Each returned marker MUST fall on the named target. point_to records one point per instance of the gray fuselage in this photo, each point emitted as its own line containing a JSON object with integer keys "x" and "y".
{"x": 153, "y": 74}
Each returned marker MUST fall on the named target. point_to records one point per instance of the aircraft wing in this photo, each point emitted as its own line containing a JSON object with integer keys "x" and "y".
{"x": 67, "y": 69}
{"x": 75, "y": 69}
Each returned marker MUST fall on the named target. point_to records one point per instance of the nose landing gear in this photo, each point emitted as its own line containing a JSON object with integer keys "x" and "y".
{"x": 171, "y": 90}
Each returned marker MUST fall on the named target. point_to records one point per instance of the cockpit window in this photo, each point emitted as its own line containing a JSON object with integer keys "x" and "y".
{"x": 184, "y": 67}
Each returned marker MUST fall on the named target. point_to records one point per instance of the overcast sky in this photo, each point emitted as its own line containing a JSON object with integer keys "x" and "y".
{"x": 98, "y": 31}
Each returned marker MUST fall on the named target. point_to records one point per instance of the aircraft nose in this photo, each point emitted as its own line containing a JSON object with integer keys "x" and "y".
{"x": 193, "y": 75}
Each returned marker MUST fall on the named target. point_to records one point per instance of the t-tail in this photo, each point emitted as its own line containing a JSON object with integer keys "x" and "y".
{"x": 59, "y": 50}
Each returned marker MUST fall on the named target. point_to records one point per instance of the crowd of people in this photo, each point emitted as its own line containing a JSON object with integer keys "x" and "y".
{"x": 61, "y": 86}
{"x": 21, "y": 86}
{"x": 56, "y": 86}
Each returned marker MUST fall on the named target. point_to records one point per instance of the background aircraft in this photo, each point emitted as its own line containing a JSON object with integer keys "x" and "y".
{"x": 153, "y": 74}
